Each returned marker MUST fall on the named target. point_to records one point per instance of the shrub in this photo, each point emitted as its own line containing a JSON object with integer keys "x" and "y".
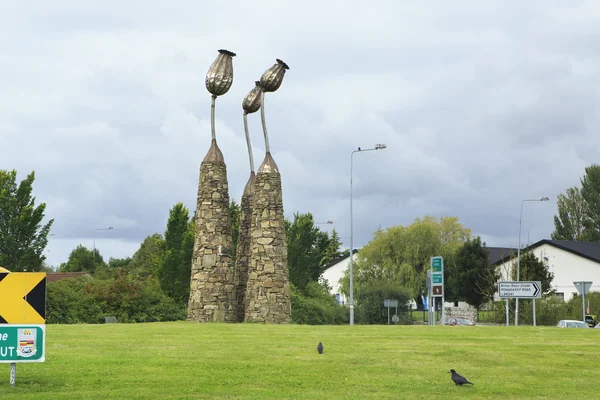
{"x": 69, "y": 303}
{"x": 316, "y": 306}
{"x": 369, "y": 302}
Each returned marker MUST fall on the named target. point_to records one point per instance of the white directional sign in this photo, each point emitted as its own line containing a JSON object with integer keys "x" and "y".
{"x": 520, "y": 289}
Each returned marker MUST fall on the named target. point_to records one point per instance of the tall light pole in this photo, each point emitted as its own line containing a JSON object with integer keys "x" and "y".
{"x": 519, "y": 255}
{"x": 377, "y": 147}
{"x": 99, "y": 229}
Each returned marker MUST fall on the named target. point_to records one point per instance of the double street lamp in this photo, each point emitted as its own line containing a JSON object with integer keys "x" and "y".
{"x": 519, "y": 256}
{"x": 377, "y": 147}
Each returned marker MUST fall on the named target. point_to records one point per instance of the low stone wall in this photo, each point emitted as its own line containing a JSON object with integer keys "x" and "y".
{"x": 468, "y": 313}
{"x": 268, "y": 290}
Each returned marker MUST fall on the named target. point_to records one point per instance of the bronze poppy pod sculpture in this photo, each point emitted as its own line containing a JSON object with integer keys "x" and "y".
{"x": 219, "y": 79}
{"x": 251, "y": 104}
{"x": 270, "y": 81}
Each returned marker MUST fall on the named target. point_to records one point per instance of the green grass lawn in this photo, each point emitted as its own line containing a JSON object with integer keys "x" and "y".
{"x": 183, "y": 360}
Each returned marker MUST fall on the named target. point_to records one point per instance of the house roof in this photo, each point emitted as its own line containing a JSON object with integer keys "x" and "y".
{"x": 337, "y": 260}
{"x": 589, "y": 250}
{"x": 496, "y": 254}
{"x": 57, "y": 276}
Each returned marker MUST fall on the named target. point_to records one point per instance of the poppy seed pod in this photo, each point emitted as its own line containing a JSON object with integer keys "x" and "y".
{"x": 251, "y": 103}
{"x": 220, "y": 74}
{"x": 273, "y": 77}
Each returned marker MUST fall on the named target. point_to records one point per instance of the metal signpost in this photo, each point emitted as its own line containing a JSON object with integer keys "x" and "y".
{"x": 22, "y": 319}
{"x": 583, "y": 287}
{"x": 388, "y": 304}
{"x": 428, "y": 303}
{"x": 437, "y": 283}
{"x": 520, "y": 290}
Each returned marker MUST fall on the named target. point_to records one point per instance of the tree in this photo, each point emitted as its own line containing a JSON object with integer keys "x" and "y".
{"x": 83, "y": 259}
{"x": 532, "y": 269}
{"x": 568, "y": 224}
{"x": 590, "y": 191}
{"x": 370, "y": 298}
{"x": 469, "y": 276}
{"x": 23, "y": 237}
{"x": 332, "y": 251}
{"x": 306, "y": 247}
{"x": 402, "y": 254}
{"x": 579, "y": 210}
{"x": 175, "y": 270}
{"x": 148, "y": 258}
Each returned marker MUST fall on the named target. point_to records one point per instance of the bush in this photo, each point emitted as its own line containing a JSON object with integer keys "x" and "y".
{"x": 79, "y": 300}
{"x": 69, "y": 303}
{"x": 316, "y": 306}
{"x": 369, "y": 302}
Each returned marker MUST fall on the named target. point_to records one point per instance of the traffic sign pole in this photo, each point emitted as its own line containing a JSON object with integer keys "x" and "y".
{"x": 534, "y": 312}
{"x": 13, "y": 374}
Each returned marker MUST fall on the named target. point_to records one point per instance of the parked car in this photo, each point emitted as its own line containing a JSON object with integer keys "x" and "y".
{"x": 570, "y": 323}
{"x": 459, "y": 321}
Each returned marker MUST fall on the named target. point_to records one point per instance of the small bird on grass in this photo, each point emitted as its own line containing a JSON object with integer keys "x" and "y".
{"x": 458, "y": 379}
{"x": 320, "y": 348}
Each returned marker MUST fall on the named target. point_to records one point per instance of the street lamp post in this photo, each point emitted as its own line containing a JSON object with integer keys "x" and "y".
{"x": 377, "y": 147}
{"x": 99, "y": 229}
{"x": 329, "y": 222}
{"x": 519, "y": 256}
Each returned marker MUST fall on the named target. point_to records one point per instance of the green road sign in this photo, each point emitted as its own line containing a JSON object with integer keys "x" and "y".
{"x": 437, "y": 264}
{"x": 22, "y": 343}
{"x": 437, "y": 278}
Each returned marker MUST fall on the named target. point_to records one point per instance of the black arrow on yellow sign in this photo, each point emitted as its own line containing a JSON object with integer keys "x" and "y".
{"x": 22, "y": 298}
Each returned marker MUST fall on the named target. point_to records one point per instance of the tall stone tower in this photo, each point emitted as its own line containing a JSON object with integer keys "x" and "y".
{"x": 268, "y": 291}
{"x": 212, "y": 294}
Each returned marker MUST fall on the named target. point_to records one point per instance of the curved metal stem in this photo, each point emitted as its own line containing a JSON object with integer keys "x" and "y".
{"x": 264, "y": 124}
{"x": 248, "y": 143}
{"x": 212, "y": 117}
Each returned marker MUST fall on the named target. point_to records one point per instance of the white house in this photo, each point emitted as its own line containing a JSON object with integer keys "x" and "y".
{"x": 334, "y": 271}
{"x": 569, "y": 260}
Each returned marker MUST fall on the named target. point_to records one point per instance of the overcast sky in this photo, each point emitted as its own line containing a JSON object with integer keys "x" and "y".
{"x": 481, "y": 104}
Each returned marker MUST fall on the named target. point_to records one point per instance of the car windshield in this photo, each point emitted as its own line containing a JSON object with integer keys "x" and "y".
{"x": 576, "y": 324}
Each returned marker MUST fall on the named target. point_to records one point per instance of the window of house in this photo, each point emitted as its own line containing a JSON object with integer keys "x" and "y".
{"x": 560, "y": 295}
{"x": 456, "y": 304}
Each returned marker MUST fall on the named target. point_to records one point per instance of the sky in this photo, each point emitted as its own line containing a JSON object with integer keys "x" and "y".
{"x": 480, "y": 104}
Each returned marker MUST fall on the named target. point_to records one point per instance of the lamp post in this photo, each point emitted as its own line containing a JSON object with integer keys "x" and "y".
{"x": 519, "y": 255}
{"x": 99, "y": 229}
{"x": 377, "y": 147}
{"x": 329, "y": 222}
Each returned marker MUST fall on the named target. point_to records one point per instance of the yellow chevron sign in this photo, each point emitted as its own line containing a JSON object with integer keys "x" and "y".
{"x": 22, "y": 298}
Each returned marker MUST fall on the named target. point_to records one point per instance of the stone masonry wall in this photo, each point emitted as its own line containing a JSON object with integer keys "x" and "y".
{"x": 243, "y": 248}
{"x": 468, "y": 313}
{"x": 212, "y": 294}
{"x": 268, "y": 289}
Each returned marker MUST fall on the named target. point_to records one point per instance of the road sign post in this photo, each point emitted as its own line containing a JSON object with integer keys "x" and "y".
{"x": 520, "y": 290}
{"x": 437, "y": 282}
{"x": 388, "y": 304}
{"x": 583, "y": 287}
{"x": 22, "y": 319}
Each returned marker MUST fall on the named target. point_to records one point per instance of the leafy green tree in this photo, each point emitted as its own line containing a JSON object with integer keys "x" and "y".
{"x": 333, "y": 249}
{"x": 23, "y": 236}
{"x": 469, "y": 276}
{"x": 83, "y": 259}
{"x": 118, "y": 263}
{"x": 402, "y": 254}
{"x": 568, "y": 224}
{"x": 590, "y": 191}
{"x": 175, "y": 269}
{"x": 306, "y": 247}
{"x": 579, "y": 210}
{"x": 147, "y": 260}
{"x": 316, "y": 306}
{"x": 532, "y": 269}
